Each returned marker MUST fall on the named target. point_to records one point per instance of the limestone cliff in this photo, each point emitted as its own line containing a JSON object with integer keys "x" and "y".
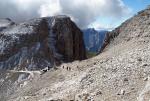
{"x": 40, "y": 42}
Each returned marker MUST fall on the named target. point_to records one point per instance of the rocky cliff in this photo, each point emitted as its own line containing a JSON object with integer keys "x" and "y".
{"x": 39, "y": 42}
{"x": 93, "y": 39}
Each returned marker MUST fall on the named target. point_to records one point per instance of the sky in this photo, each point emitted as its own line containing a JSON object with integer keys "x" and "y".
{"x": 99, "y": 14}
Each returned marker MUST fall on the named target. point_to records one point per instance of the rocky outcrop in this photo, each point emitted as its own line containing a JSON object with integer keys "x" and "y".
{"x": 108, "y": 38}
{"x": 135, "y": 28}
{"x": 40, "y": 42}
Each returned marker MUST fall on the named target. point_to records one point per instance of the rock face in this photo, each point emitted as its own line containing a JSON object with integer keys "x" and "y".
{"x": 93, "y": 39}
{"x": 40, "y": 42}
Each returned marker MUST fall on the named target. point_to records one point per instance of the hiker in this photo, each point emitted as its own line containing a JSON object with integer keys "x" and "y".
{"x": 49, "y": 67}
{"x": 68, "y": 68}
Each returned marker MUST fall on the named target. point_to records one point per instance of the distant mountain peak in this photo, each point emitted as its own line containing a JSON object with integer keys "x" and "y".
{"x": 93, "y": 39}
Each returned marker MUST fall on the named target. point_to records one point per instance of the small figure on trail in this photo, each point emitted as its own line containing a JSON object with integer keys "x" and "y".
{"x": 49, "y": 67}
{"x": 68, "y": 68}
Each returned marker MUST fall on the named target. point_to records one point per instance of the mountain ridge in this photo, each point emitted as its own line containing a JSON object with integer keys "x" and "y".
{"x": 120, "y": 73}
{"x": 93, "y": 39}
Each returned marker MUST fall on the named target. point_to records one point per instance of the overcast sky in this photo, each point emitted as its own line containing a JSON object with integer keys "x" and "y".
{"x": 86, "y": 13}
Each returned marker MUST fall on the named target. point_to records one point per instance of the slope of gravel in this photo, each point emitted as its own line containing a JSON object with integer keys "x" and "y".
{"x": 119, "y": 74}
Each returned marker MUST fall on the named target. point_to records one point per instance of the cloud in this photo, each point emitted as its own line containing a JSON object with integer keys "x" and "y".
{"x": 18, "y": 10}
{"x": 100, "y": 26}
{"x": 50, "y": 8}
{"x": 83, "y": 12}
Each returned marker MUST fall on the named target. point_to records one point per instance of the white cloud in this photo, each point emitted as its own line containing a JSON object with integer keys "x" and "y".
{"x": 100, "y": 26}
{"x": 84, "y": 12}
{"x": 50, "y": 8}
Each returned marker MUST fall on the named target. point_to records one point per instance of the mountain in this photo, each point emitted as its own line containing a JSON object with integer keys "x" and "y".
{"x": 93, "y": 39}
{"x": 136, "y": 28}
{"x": 39, "y": 43}
{"x": 35, "y": 45}
{"x": 120, "y": 73}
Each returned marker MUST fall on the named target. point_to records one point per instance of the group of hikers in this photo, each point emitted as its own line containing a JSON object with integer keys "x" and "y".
{"x": 49, "y": 67}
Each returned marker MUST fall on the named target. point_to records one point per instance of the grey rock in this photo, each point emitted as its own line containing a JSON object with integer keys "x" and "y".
{"x": 40, "y": 42}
